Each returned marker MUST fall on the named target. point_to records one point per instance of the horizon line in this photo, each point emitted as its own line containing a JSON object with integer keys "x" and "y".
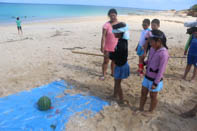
{"x": 92, "y": 5}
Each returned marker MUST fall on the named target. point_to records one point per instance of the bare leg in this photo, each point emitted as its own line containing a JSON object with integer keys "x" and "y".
{"x": 187, "y": 69}
{"x": 194, "y": 74}
{"x": 21, "y": 31}
{"x": 119, "y": 89}
{"x": 105, "y": 64}
{"x": 141, "y": 66}
{"x": 153, "y": 96}
{"x": 115, "y": 89}
{"x": 144, "y": 93}
{"x": 112, "y": 67}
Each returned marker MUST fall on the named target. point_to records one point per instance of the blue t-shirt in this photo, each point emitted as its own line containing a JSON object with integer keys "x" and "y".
{"x": 193, "y": 47}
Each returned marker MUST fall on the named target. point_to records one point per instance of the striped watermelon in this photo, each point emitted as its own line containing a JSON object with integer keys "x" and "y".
{"x": 44, "y": 103}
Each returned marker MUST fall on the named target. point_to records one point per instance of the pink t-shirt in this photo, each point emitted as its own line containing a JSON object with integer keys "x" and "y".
{"x": 110, "y": 40}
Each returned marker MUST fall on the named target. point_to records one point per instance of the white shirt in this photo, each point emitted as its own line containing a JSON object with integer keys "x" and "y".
{"x": 143, "y": 37}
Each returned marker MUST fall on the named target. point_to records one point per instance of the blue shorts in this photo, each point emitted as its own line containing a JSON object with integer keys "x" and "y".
{"x": 140, "y": 50}
{"x": 148, "y": 84}
{"x": 122, "y": 72}
{"x": 192, "y": 60}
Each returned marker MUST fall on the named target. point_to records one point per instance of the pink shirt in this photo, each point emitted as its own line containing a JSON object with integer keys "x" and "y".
{"x": 110, "y": 40}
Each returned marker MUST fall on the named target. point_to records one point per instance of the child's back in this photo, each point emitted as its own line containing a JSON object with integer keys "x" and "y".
{"x": 121, "y": 52}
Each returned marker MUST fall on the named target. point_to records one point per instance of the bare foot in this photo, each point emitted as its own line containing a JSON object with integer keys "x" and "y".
{"x": 192, "y": 80}
{"x": 184, "y": 78}
{"x": 124, "y": 103}
{"x": 147, "y": 113}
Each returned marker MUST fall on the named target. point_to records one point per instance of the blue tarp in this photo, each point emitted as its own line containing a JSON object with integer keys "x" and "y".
{"x": 19, "y": 112}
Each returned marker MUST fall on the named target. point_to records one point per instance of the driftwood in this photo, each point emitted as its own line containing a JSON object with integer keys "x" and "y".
{"x": 94, "y": 54}
{"x": 86, "y": 53}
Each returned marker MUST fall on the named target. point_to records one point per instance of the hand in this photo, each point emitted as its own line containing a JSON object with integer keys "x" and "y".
{"x": 144, "y": 55}
{"x": 153, "y": 87}
{"x": 185, "y": 52}
{"x": 102, "y": 49}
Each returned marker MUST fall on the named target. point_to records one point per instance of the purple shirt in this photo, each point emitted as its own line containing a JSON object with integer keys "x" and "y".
{"x": 156, "y": 63}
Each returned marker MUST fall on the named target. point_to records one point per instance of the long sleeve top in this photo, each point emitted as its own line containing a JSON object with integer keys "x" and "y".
{"x": 156, "y": 64}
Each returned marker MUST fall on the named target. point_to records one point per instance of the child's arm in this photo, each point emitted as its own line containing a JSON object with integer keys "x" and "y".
{"x": 146, "y": 43}
{"x": 187, "y": 44}
{"x": 162, "y": 66}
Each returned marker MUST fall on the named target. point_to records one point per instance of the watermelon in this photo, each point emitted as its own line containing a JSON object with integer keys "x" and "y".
{"x": 44, "y": 103}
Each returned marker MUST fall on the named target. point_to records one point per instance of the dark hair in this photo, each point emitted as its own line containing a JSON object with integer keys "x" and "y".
{"x": 119, "y": 25}
{"x": 191, "y": 30}
{"x": 112, "y": 11}
{"x": 17, "y": 18}
{"x": 156, "y": 21}
{"x": 157, "y": 34}
{"x": 147, "y": 21}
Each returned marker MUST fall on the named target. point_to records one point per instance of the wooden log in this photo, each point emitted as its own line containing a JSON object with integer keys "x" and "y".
{"x": 87, "y": 53}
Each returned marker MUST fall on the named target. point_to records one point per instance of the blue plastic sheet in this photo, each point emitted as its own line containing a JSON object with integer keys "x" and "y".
{"x": 19, "y": 112}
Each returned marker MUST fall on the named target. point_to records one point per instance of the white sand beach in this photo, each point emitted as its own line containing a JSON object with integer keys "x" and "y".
{"x": 43, "y": 54}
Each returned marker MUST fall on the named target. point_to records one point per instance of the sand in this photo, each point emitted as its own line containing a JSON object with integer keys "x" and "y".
{"x": 43, "y": 54}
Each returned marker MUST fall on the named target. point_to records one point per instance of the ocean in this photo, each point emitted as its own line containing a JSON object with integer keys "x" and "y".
{"x": 33, "y": 12}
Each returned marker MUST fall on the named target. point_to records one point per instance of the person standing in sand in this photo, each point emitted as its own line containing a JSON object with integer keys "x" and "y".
{"x": 108, "y": 42}
{"x": 122, "y": 69}
{"x": 156, "y": 65}
{"x": 192, "y": 54}
{"x": 140, "y": 47}
{"x": 155, "y": 24}
{"x": 18, "y": 22}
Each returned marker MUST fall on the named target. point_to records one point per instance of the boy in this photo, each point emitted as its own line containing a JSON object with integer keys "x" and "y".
{"x": 18, "y": 22}
{"x": 192, "y": 54}
{"x": 140, "y": 46}
{"x": 155, "y": 24}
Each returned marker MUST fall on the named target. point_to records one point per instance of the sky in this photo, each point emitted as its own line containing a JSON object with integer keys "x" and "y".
{"x": 147, "y": 4}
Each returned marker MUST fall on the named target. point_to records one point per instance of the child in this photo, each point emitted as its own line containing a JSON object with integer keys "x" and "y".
{"x": 156, "y": 64}
{"x": 120, "y": 55}
{"x": 18, "y": 22}
{"x": 140, "y": 47}
{"x": 155, "y": 24}
{"x": 192, "y": 54}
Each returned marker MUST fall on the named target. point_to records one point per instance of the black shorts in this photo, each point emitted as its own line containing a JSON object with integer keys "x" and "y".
{"x": 19, "y": 27}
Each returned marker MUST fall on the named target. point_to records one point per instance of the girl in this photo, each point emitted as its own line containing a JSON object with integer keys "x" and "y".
{"x": 156, "y": 64}
{"x": 120, "y": 57}
{"x": 108, "y": 42}
{"x": 192, "y": 54}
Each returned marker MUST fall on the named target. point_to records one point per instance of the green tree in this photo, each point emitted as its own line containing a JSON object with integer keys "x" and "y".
{"x": 194, "y": 7}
